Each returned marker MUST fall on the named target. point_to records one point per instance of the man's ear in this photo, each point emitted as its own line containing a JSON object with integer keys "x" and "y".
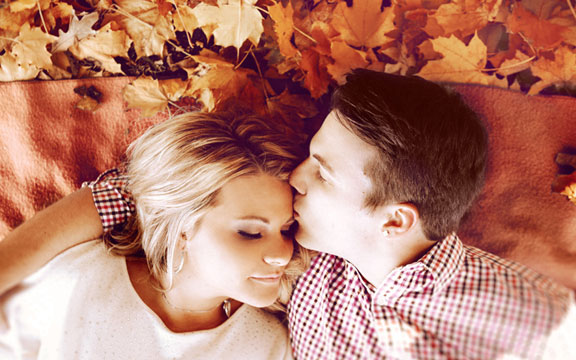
{"x": 399, "y": 219}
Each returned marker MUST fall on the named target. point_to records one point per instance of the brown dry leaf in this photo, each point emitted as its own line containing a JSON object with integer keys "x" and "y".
{"x": 559, "y": 72}
{"x": 461, "y": 63}
{"x": 231, "y": 22}
{"x": 363, "y": 24}
{"x": 316, "y": 78}
{"x": 146, "y": 26}
{"x": 284, "y": 27}
{"x": 19, "y": 5}
{"x": 541, "y": 32}
{"x": 29, "y": 47}
{"x": 288, "y": 104}
{"x": 463, "y": 16}
{"x": 10, "y": 70}
{"x": 345, "y": 59}
{"x": 103, "y": 47}
{"x": 86, "y": 103}
{"x": 145, "y": 94}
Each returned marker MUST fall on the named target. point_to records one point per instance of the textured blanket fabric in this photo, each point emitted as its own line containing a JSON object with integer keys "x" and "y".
{"x": 48, "y": 148}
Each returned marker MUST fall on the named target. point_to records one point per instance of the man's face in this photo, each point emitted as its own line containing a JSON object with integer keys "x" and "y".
{"x": 331, "y": 186}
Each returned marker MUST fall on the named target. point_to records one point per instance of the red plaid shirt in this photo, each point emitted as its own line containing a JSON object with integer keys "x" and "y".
{"x": 456, "y": 302}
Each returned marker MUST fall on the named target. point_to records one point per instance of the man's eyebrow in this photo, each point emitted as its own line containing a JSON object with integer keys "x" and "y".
{"x": 323, "y": 162}
{"x": 254, "y": 217}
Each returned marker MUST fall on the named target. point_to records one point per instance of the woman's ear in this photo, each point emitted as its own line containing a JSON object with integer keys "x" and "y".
{"x": 399, "y": 219}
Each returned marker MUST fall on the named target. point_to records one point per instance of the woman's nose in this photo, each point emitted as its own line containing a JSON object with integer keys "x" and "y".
{"x": 280, "y": 253}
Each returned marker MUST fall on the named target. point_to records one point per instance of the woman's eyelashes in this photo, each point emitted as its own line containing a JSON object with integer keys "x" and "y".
{"x": 249, "y": 235}
{"x": 289, "y": 232}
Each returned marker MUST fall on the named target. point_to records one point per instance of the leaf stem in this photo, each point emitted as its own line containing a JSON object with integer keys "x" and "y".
{"x": 261, "y": 77}
{"x": 41, "y": 17}
{"x": 571, "y": 8}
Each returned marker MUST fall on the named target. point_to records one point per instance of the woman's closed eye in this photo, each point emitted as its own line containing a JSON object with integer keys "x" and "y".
{"x": 249, "y": 235}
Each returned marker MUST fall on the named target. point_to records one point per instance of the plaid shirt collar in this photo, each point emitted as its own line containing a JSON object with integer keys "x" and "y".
{"x": 432, "y": 272}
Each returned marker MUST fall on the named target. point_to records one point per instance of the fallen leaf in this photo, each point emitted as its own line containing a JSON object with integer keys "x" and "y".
{"x": 565, "y": 185}
{"x": 316, "y": 78}
{"x": 231, "y": 22}
{"x": 558, "y": 72}
{"x": 78, "y": 30}
{"x": 463, "y": 16}
{"x": 184, "y": 19}
{"x": 11, "y": 70}
{"x": 284, "y": 27}
{"x": 519, "y": 63}
{"x": 460, "y": 63}
{"x": 542, "y": 33}
{"x": 29, "y": 47}
{"x": 345, "y": 59}
{"x": 86, "y": 103}
{"x": 103, "y": 47}
{"x": 363, "y": 24}
{"x": 145, "y": 94}
{"x": 146, "y": 26}
{"x": 58, "y": 14}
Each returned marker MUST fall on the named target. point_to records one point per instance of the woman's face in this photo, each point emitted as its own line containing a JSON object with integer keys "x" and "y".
{"x": 241, "y": 246}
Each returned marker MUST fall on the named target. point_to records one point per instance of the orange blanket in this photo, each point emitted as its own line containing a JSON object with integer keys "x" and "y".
{"x": 48, "y": 148}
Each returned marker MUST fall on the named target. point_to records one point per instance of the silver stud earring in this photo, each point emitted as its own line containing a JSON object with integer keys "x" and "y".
{"x": 386, "y": 233}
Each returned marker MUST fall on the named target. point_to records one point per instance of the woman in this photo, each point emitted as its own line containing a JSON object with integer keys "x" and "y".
{"x": 209, "y": 245}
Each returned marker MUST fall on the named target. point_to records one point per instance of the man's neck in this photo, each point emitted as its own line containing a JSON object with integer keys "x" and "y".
{"x": 375, "y": 266}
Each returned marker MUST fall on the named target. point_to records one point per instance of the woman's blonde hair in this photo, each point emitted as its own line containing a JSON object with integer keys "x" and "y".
{"x": 175, "y": 171}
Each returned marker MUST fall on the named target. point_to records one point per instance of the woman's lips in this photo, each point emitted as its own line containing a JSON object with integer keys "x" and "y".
{"x": 267, "y": 279}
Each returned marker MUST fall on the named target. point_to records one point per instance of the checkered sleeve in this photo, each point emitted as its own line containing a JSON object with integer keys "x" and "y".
{"x": 111, "y": 197}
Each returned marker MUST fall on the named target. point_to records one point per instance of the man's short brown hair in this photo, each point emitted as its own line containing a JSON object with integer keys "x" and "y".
{"x": 431, "y": 145}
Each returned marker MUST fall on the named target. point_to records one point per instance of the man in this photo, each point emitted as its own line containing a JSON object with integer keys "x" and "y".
{"x": 391, "y": 172}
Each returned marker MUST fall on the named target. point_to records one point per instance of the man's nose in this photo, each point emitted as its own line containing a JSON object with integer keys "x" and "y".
{"x": 297, "y": 178}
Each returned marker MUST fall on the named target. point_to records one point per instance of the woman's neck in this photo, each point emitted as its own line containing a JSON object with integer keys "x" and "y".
{"x": 168, "y": 306}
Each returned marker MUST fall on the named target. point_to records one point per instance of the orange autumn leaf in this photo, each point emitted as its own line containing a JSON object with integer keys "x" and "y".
{"x": 283, "y": 27}
{"x": 363, "y": 24}
{"x": 345, "y": 59}
{"x": 316, "y": 78}
{"x": 463, "y": 16}
{"x": 460, "y": 62}
{"x": 217, "y": 81}
{"x": 560, "y": 71}
{"x": 542, "y": 33}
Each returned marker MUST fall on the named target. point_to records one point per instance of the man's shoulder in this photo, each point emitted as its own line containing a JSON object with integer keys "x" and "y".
{"x": 509, "y": 277}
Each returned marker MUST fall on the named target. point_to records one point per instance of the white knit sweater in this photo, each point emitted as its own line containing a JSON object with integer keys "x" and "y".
{"x": 83, "y": 306}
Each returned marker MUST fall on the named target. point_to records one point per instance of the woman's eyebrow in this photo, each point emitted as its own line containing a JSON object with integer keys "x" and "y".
{"x": 254, "y": 217}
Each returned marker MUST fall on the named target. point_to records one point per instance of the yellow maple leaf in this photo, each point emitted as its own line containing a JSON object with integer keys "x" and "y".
{"x": 147, "y": 27}
{"x": 147, "y": 95}
{"x": 231, "y": 22}
{"x": 363, "y": 24}
{"x": 460, "y": 63}
{"x": 559, "y": 71}
{"x": 283, "y": 27}
{"x": 29, "y": 47}
{"x": 345, "y": 59}
{"x": 11, "y": 70}
{"x": 103, "y": 47}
